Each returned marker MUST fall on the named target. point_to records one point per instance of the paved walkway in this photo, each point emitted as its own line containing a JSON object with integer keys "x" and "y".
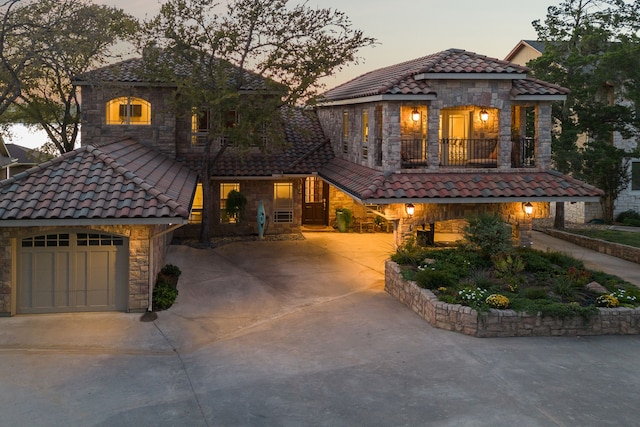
{"x": 301, "y": 333}
{"x": 629, "y": 271}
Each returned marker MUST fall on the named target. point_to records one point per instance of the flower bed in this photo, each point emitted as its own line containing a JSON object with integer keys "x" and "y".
{"x": 505, "y": 323}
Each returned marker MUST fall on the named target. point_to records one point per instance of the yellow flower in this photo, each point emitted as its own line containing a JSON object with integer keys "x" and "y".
{"x": 497, "y": 301}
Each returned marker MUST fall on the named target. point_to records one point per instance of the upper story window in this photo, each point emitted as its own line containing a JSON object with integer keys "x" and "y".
{"x": 197, "y": 206}
{"x": 345, "y": 132}
{"x": 201, "y": 123}
{"x": 128, "y": 110}
{"x": 365, "y": 134}
{"x": 635, "y": 176}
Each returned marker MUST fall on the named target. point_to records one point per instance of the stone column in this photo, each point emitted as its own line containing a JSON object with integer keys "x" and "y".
{"x": 433, "y": 128}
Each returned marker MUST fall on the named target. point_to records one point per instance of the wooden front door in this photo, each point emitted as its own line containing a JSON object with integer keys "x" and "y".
{"x": 316, "y": 202}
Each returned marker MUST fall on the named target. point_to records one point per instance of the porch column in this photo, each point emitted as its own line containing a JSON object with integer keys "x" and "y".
{"x": 543, "y": 135}
{"x": 391, "y": 137}
{"x": 525, "y": 233}
{"x": 433, "y": 129}
{"x": 504, "y": 159}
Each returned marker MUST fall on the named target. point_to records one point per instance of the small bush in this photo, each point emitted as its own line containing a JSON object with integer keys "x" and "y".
{"x": 534, "y": 261}
{"x": 535, "y": 293}
{"x": 630, "y": 217}
{"x": 171, "y": 270}
{"x": 489, "y": 234}
{"x": 562, "y": 260}
{"x": 408, "y": 254}
{"x": 434, "y": 279}
{"x": 608, "y": 300}
{"x": 164, "y": 295}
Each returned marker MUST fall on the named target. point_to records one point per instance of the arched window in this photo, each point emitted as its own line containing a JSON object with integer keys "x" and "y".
{"x": 128, "y": 110}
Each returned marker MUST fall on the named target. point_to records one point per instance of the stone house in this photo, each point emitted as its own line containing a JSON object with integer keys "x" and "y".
{"x": 419, "y": 146}
{"x": 428, "y": 142}
{"x": 629, "y": 198}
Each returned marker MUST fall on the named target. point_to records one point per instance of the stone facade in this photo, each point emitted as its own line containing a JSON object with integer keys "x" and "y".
{"x": 140, "y": 260}
{"x": 389, "y": 122}
{"x": 504, "y": 323}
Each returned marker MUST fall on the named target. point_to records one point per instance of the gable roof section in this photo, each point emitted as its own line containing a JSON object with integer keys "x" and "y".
{"x": 415, "y": 77}
{"x": 122, "y": 182}
{"x": 134, "y": 73}
{"x": 21, "y": 153}
{"x": 307, "y": 150}
{"x": 536, "y": 45}
{"x": 374, "y": 187}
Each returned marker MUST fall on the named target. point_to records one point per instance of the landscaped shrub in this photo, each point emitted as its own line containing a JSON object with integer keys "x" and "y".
{"x": 171, "y": 270}
{"x": 630, "y": 218}
{"x": 557, "y": 288}
{"x": 607, "y": 300}
{"x": 489, "y": 234}
{"x": 164, "y": 295}
{"x": 434, "y": 279}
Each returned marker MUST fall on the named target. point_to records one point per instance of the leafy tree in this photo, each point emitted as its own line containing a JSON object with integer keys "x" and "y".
{"x": 253, "y": 57}
{"x": 64, "y": 38}
{"x": 592, "y": 48}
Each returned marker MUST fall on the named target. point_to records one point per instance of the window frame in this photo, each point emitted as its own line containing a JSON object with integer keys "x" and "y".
{"x": 224, "y": 192}
{"x": 365, "y": 134}
{"x": 115, "y": 107}
{"x": 634, "y": 187}
{"x": 283, "y": 206}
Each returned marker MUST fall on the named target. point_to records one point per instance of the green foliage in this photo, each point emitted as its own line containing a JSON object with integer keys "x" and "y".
{"x": 236, "y": 204}
{"x": 171, "y": 270}
{"x": 44, "y": 45}
{"x": 534, "y": 261}
{"x": 434, "y": 279}
{"x": 630, "y": 218}
{"x": 164, "y": 295}
{"x": 409, "y": 254}
{"x": 508, "y": 268}
{"x": 535, "y": 293}
{"x": 591, "y": 48}
{"x": 344, "y": 217}
{"x": 489, "y": 234}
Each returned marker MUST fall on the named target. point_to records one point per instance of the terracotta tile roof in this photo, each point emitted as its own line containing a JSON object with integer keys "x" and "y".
{"x": 133, "y": 71}
{"x": 370, "y": 185}
{"x": 119, "y": 180}
{"x": 533, "y": 86}
{"x": 306, "y": 152}
{"x": 400, "y": 78}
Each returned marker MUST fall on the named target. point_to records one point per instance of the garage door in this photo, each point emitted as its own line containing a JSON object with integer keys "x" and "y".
{"x": 67, "y": 272}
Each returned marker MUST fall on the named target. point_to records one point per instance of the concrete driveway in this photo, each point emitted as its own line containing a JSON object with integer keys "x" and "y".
{"x": 298, "y": 333}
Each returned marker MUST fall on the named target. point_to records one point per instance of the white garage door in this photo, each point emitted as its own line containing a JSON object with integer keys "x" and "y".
{"x": 67, "y": 272}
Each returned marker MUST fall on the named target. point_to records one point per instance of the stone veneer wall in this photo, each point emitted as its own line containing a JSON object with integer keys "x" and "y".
{"x": 161, "y": 133}
{"x": 139, "y": 252}
{"x": 503, "y": 323}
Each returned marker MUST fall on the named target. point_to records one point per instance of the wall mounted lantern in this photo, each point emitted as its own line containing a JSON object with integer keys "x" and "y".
{"x": 484, "y": 116}
{"x": 410, "y": 209}
{"x": 528, "y": 208}
{"x": 415, "y": 115}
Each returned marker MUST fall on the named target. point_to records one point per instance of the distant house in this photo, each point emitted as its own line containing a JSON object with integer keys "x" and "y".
{"x": 629, "y": 199}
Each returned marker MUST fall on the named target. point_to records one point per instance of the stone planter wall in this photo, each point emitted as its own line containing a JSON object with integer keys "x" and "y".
{"x": 504, "y": 323}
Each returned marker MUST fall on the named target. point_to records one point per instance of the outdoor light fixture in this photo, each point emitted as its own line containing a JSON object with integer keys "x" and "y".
{"x": 528, "y": 208}
{"x": 410, "y": 209}
{"x": 484, "y": 116}
{"x": 415, "y": 115}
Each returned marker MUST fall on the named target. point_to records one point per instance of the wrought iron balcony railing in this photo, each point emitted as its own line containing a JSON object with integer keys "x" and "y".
{"x": 413, "y": 153}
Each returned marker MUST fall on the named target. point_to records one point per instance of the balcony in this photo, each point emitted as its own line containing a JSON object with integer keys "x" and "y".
{"x": 466, "y": 153}
{"x": 413, "y": 153}
{"x": 524, "y": 153}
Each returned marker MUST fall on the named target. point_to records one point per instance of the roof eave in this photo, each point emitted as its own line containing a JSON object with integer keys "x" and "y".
{"x": 478, "y": 200}
{"x": 379, "y": 98}
{"x": 539, "y": 98}
{"x": 67, "y": 222}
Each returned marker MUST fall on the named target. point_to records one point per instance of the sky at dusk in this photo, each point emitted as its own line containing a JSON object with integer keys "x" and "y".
{"x": 409, "y": 29}
{"x": 404, "y": 29}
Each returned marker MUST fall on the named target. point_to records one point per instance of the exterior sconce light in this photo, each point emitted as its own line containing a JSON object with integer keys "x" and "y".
{"x": 415, "y": 115}
{"x": 484, "y": 116}
{"x": 410, "y": 209}
{"x": 528, "y": 208}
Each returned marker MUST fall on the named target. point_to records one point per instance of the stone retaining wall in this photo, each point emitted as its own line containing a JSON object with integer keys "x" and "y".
{"x": 625, "y": 252}
{"x": 504, "y": 323}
